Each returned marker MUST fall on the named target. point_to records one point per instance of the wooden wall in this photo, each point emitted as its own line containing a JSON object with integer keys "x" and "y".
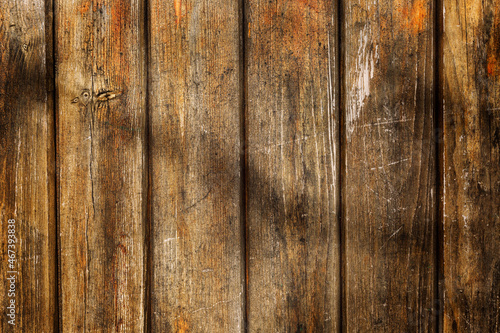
{"x": 250, "y": 166}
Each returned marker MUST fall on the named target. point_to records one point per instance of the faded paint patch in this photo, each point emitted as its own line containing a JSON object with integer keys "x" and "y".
{"x": 367, "y": 58}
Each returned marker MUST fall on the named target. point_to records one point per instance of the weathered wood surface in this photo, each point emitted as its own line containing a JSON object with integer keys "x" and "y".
{"x": 388, "y": 190}
{"x": 222, "y": 205}
{"x": 292, "y": 131}
{"x": 102, "y": 179}
{"x": 27, "y": 166}
{"x": 197, "y": 268}
{"x": 471, "y": 165}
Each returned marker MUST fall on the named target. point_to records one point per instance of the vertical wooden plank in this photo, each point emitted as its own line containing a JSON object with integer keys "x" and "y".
{"x": 195, "y": 147}
{"x": 471, "y": 168}
{"x": 27, "y": 201}
{"x": 292, "y": 129}
{"x": 389, "y": 213}
{"x": 101, "y": 81}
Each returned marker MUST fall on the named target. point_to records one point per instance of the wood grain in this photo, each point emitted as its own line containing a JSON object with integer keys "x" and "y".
{"x": 197, "y": 281}
{"x": 27, "y": 167}
{"x": 389, "y": 181}
{"x": 292, "y": 130}
{"x": 102, "y": 178}
{"x": 471, "y": 168}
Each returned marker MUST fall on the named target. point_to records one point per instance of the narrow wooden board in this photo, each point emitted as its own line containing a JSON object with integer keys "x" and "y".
{"x": 292, "y": 166}
{"x": 471, "y": 165}
{"x": 389, "y": 180}
{"x": 197, "y": 281}
{"x": 27, "y": 168}
{"x": 101, "y": 89}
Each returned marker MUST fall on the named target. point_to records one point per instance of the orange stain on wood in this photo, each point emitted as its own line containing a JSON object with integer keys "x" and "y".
{"x": 309, "y": 5}
{"x": 122, "y": 248}
{"x": 84, "y": 7}
{"x": 419, "y": 16}
{"x": 183, "y": 231}
{"x": 493, "y": 68}
{"x": 416, "y": 17}
{"x": 297, "y": 22}
{"x": 120, "y": 18}
{"x": 181, "y": 325}
{"x": 178, "y": 10}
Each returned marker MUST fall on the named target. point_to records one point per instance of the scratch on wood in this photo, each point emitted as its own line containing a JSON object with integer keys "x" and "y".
{"x": 267, "y": 148}
{"x": 213, "y": 305}
{"x": 389, "y": 122}
{"x": 198, "y": 201}
{"x": 389, "y": 164}
{"x": 388, "y": 239}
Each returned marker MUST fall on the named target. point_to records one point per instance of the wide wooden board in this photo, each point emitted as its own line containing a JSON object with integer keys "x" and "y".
{"x": 197, "y": 244}
{"x": 471, "y": 165}
{"x": 27, "y": 168}
{"x": 292, "y": 166}
{"x": 102, "y": 174}
{"x": 389, "y": 168}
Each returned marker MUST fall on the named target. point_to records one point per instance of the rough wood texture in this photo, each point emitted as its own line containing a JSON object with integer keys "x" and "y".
{"x": 197, "y": 282}
{"x": 389, "y": 182}
{"x": 101, "y": 88}
{"x": 27, "y": 166}
{"x": 292, "y": 166}
{"x": 471, "y": 165}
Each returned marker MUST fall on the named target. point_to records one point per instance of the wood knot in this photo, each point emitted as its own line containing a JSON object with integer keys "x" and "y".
{"x": 83, "y": 99}
{"x": 86, "y": 96}
{"x": 108, "y": 95}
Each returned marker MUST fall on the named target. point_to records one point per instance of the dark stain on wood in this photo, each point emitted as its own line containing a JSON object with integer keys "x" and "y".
{"x": 101, "y": 88}
{"x": 27, "y": 175}
{"x": 197, "y": 271}
{"x": 471, "y": 185}
{"x": 389, "y": 181}
{"x": 292, "y": 166}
